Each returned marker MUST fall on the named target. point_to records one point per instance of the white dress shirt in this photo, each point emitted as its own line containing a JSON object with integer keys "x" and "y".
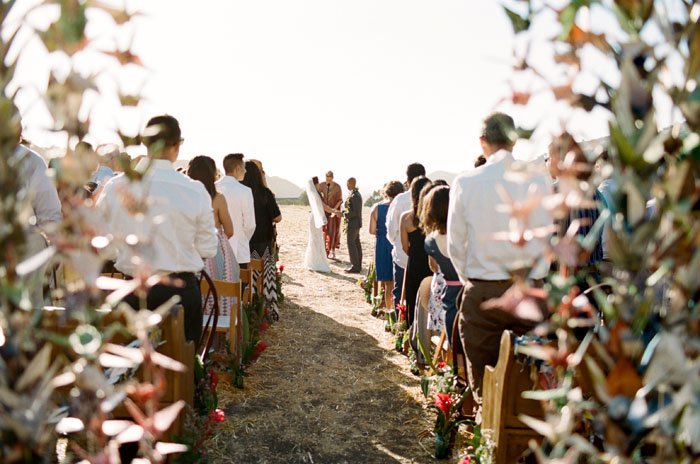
{"x": 240, "y": 206}
{"x": 473, "y": 220}
{"x": 175, "y": 232}
{"x": 402, "y": 203}
{"x": 44, "y": 198}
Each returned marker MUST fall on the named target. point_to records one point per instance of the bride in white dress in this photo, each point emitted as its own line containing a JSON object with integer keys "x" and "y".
{"x": 315, "y": 259}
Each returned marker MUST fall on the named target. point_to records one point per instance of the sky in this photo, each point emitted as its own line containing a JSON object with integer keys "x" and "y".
{"x": 360, "y": 87}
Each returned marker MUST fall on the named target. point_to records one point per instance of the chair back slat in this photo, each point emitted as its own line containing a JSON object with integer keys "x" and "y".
{"x": 233, "y": 329}
{"x": 246, "y": 281}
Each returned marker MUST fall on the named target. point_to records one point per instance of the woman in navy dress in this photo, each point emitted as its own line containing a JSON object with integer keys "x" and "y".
{"x": 443, "y": 299}
{"x": 382, "y": 251}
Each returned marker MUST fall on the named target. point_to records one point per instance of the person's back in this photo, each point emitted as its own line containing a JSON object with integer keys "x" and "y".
{"x": 491, "y": 255}
{"x": 382, "y": 210}
{"x": 496, "y": 226}
{"x": 175, "y": 204}
{"x": 241, "y": 206}
{"x": 162, "y": 224}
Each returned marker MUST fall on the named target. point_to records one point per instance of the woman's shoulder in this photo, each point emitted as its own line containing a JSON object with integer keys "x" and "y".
{"x": 407, "y": 220}
{"x": 219, "y": 199}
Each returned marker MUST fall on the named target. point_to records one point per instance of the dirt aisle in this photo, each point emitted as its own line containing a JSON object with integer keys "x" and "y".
{"x": 330, "y": 389}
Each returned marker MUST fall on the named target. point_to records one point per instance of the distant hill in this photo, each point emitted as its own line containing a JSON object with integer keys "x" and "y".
{"x": 282, "y": 188}
{"x": 444, "y": 175}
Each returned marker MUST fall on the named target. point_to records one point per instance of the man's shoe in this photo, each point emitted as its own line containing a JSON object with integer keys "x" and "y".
{"x": 352, "y": 270}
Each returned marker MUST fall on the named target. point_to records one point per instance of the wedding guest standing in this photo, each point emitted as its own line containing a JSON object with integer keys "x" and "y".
{"x": 332, "y": 196}
{"x": 484, "y": 265}
{"x": 352, "y": 214}
{"x": 240, "y": 206}
{"x": 413, "y": 244}
{"x": 382, "y": 252}
{"x": 173, "y": 233}
{"x": 446, "y": 284}
{"x": 267, "y": 214}
{"x": 400, "y": 205}
{"x": 223, "y": 266}
{"x": 45, "y": 210}
{"x": 576, "y": 167}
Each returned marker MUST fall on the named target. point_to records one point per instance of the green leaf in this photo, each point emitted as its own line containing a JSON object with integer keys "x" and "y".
{"x": 623, "y": 147}
{"x": 519, "y": 23}
{"x": 524, "y": 133}
{"x": 35, "y": 369}
{"x": 426, "y": 354}
{"x": 567, "y": 18}
{"x": 425, "y": 386}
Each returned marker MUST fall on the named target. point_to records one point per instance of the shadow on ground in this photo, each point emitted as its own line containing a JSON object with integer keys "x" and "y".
{"x": 323, "y": 393}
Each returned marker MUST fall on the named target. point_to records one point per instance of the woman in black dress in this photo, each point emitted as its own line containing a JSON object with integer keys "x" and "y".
{"x": 413, "y": 243}
{"x": 267, "y": 214}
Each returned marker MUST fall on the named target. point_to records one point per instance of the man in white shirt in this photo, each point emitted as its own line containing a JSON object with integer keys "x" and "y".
{"x": 46, "y": 214}
{"x": 483, "y": 263}
{"x": 162, "y": 224}
{"x": 240, "y": 207}
{"x": 401, "y": 204}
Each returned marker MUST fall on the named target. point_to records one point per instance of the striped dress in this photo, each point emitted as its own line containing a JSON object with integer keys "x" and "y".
{"x": 223, "y": 266}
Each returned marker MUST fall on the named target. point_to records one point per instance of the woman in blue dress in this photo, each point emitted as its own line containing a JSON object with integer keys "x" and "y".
{"x": 382, "y": 251}
{"x": 443, "y": 299}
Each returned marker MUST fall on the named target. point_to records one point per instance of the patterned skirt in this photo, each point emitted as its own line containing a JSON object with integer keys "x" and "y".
{"x": 263, "y": 251}
{"x": 223, "y": 266}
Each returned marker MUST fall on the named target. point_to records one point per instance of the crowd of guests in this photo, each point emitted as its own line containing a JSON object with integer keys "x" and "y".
{"x": 171, "y": 223}
{"x": 443, "y": 251}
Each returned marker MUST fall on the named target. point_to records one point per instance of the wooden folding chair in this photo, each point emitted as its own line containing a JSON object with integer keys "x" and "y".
{"x": 246, "y": 282}
{"x": 443, "y": 348}
{"x": 258, "y": 265}
{"x": 211, "y": 320}
{"x": 230, "y": 325}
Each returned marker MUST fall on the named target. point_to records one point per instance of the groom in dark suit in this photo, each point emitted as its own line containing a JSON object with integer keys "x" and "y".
{"x": 352, "y": 212}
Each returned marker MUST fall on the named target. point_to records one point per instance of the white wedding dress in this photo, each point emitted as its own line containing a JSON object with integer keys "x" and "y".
{"x": 315, "y": 258}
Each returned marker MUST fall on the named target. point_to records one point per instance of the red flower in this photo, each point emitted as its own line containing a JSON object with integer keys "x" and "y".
{"x": 402, "y": 311}
{"x": 213, "y": 379}
{"x": 443, "y": 401}
{"x": 441, "y": 364}
{"x": 264, "y": 326}
{"x": 281, "y": 267}
{"x": 466, "y": 460}
{"x": 217, "y": 415}
{"x": 259, "y": 348}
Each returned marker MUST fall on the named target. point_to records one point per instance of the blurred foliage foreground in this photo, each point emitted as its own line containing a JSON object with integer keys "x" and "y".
{"x": 634, "y": 336}
{"x": 63, "y": 373}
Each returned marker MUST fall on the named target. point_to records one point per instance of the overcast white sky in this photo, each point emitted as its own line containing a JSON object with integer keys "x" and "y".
{"x": 362, "y": 87}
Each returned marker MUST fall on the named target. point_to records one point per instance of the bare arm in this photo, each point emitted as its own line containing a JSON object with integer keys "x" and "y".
{"x": 405, "y": 219}
{"x": 277, "y": 219}
{"x": 206, "y": 241}
{"x": 433, "y": 264}
{"x": 457, "y": 232}
{"x": 221, "y": 209}
{"x": 373, "y": 221}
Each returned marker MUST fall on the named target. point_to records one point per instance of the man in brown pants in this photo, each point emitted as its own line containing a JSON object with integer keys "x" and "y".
{"x": 485, "y": 264}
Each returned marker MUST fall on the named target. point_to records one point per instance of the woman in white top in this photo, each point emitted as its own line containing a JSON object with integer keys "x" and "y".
{"x": 315, "y": 259}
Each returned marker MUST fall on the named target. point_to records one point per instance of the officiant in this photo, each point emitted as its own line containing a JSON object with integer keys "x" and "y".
{"x": 332, "y": 196}
{"x": 352, "y": 214}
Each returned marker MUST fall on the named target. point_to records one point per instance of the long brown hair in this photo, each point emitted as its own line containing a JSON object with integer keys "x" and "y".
{"x": 417, "y": 186}
{"x": 433, "y": 214}
{"x": 203, "y": 169}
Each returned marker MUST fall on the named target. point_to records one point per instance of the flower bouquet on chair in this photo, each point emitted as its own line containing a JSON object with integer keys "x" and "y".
{"x": 449, "y": 397}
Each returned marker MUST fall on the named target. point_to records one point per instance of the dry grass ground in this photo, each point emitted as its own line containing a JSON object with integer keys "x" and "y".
{"x": 330, "y": 389}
